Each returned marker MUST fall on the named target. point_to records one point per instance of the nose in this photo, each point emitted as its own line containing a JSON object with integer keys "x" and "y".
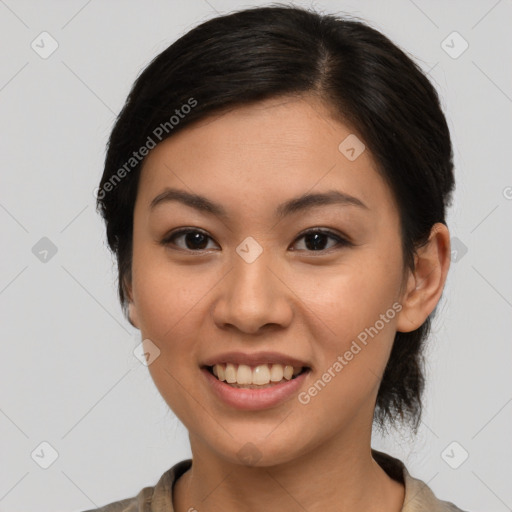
{"x": 253, "y": 296}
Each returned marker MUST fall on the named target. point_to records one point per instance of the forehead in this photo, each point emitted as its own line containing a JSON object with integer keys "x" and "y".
{"x": 269, "y": 150}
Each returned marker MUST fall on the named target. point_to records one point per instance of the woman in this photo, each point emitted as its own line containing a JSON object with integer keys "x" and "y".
{"x": 275, "y": 191}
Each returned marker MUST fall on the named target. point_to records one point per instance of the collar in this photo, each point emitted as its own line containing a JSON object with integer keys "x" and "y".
{"x": 418, "y": 496}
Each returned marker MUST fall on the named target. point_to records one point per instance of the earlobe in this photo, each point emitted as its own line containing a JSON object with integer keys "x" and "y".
{"x": 132, "y": 315}
{"x": 132, "y": 310}
{"x": 425, "y": 284}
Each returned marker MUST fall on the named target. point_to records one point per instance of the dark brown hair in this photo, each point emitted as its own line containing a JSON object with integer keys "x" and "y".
{"x": 366, "y": 81}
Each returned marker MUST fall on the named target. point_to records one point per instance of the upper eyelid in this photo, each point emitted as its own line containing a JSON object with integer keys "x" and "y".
{"x": 325, "y": 231}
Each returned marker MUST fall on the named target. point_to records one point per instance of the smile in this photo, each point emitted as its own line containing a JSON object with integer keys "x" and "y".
{"x": 260, "y": 376}
{"x": 254, "y": 397}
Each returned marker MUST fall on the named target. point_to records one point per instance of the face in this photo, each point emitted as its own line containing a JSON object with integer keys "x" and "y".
{"x": 260, "y": 276}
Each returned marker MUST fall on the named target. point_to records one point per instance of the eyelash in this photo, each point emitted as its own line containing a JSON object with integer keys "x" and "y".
{"x": 341, "y": 241}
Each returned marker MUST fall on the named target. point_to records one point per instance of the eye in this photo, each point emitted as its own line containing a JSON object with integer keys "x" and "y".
{"x": 194, "y": 239}
{"x": 316, "y": 240}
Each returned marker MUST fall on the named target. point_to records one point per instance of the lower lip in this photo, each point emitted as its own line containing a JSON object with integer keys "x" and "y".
{"x": 254, "y": 399}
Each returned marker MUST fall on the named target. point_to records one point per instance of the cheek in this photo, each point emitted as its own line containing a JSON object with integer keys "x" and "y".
{"x": 353, "y": 296}
{"x": 357, "y": 306}
{"x": 163, "y": 293}
{"x": 359, "y": 312}
{"x": 168, "y": 304}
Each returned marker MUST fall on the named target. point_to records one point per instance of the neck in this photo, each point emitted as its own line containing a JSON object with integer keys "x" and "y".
{"x": 339, "y": 475}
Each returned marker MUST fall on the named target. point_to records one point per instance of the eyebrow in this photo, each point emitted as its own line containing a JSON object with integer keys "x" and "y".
{"x": 289, "y": 207}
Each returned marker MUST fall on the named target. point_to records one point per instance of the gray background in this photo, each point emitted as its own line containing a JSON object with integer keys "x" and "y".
{"x": 68, "y": 374}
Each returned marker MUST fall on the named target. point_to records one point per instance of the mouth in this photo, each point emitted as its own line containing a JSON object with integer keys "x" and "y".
{"x": 259, "y": 376}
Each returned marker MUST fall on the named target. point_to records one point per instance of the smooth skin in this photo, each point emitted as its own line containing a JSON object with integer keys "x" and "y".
{"x": 195, "y": 297}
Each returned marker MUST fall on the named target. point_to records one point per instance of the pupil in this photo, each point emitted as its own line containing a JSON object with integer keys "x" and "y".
{"x": 317, "y": 244}
{"x": 195, "y": 240}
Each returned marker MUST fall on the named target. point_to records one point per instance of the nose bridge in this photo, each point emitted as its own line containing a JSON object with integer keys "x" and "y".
{"x": 251, "y": 295}
{"x": 251, "y": 273}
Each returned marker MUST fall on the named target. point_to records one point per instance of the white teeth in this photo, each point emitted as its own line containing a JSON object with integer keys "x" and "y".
{"x": 221, "y": 373}
{"x": 260, "y": 375}
{"x": 230, "y": 373}
{"x": 276, "y": 373}
{"x": 288, "y": 372}
{"x": 244, "y": 374}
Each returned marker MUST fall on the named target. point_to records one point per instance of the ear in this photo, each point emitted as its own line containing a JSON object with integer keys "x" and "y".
{"x": 425, "y": 284}
{"x": 132, "y": 309}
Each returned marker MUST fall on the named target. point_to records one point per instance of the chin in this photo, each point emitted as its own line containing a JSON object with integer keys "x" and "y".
{"x": 263, "y": 450}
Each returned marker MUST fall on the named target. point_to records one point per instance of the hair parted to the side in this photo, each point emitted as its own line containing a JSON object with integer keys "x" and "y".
{"x": 367, "y": 82}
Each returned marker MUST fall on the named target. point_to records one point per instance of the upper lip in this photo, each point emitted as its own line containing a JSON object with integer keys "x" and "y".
{"x": 254, "y": 359}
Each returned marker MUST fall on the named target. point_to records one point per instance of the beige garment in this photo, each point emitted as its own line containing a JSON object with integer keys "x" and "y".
{"x": 418, "y": 496}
